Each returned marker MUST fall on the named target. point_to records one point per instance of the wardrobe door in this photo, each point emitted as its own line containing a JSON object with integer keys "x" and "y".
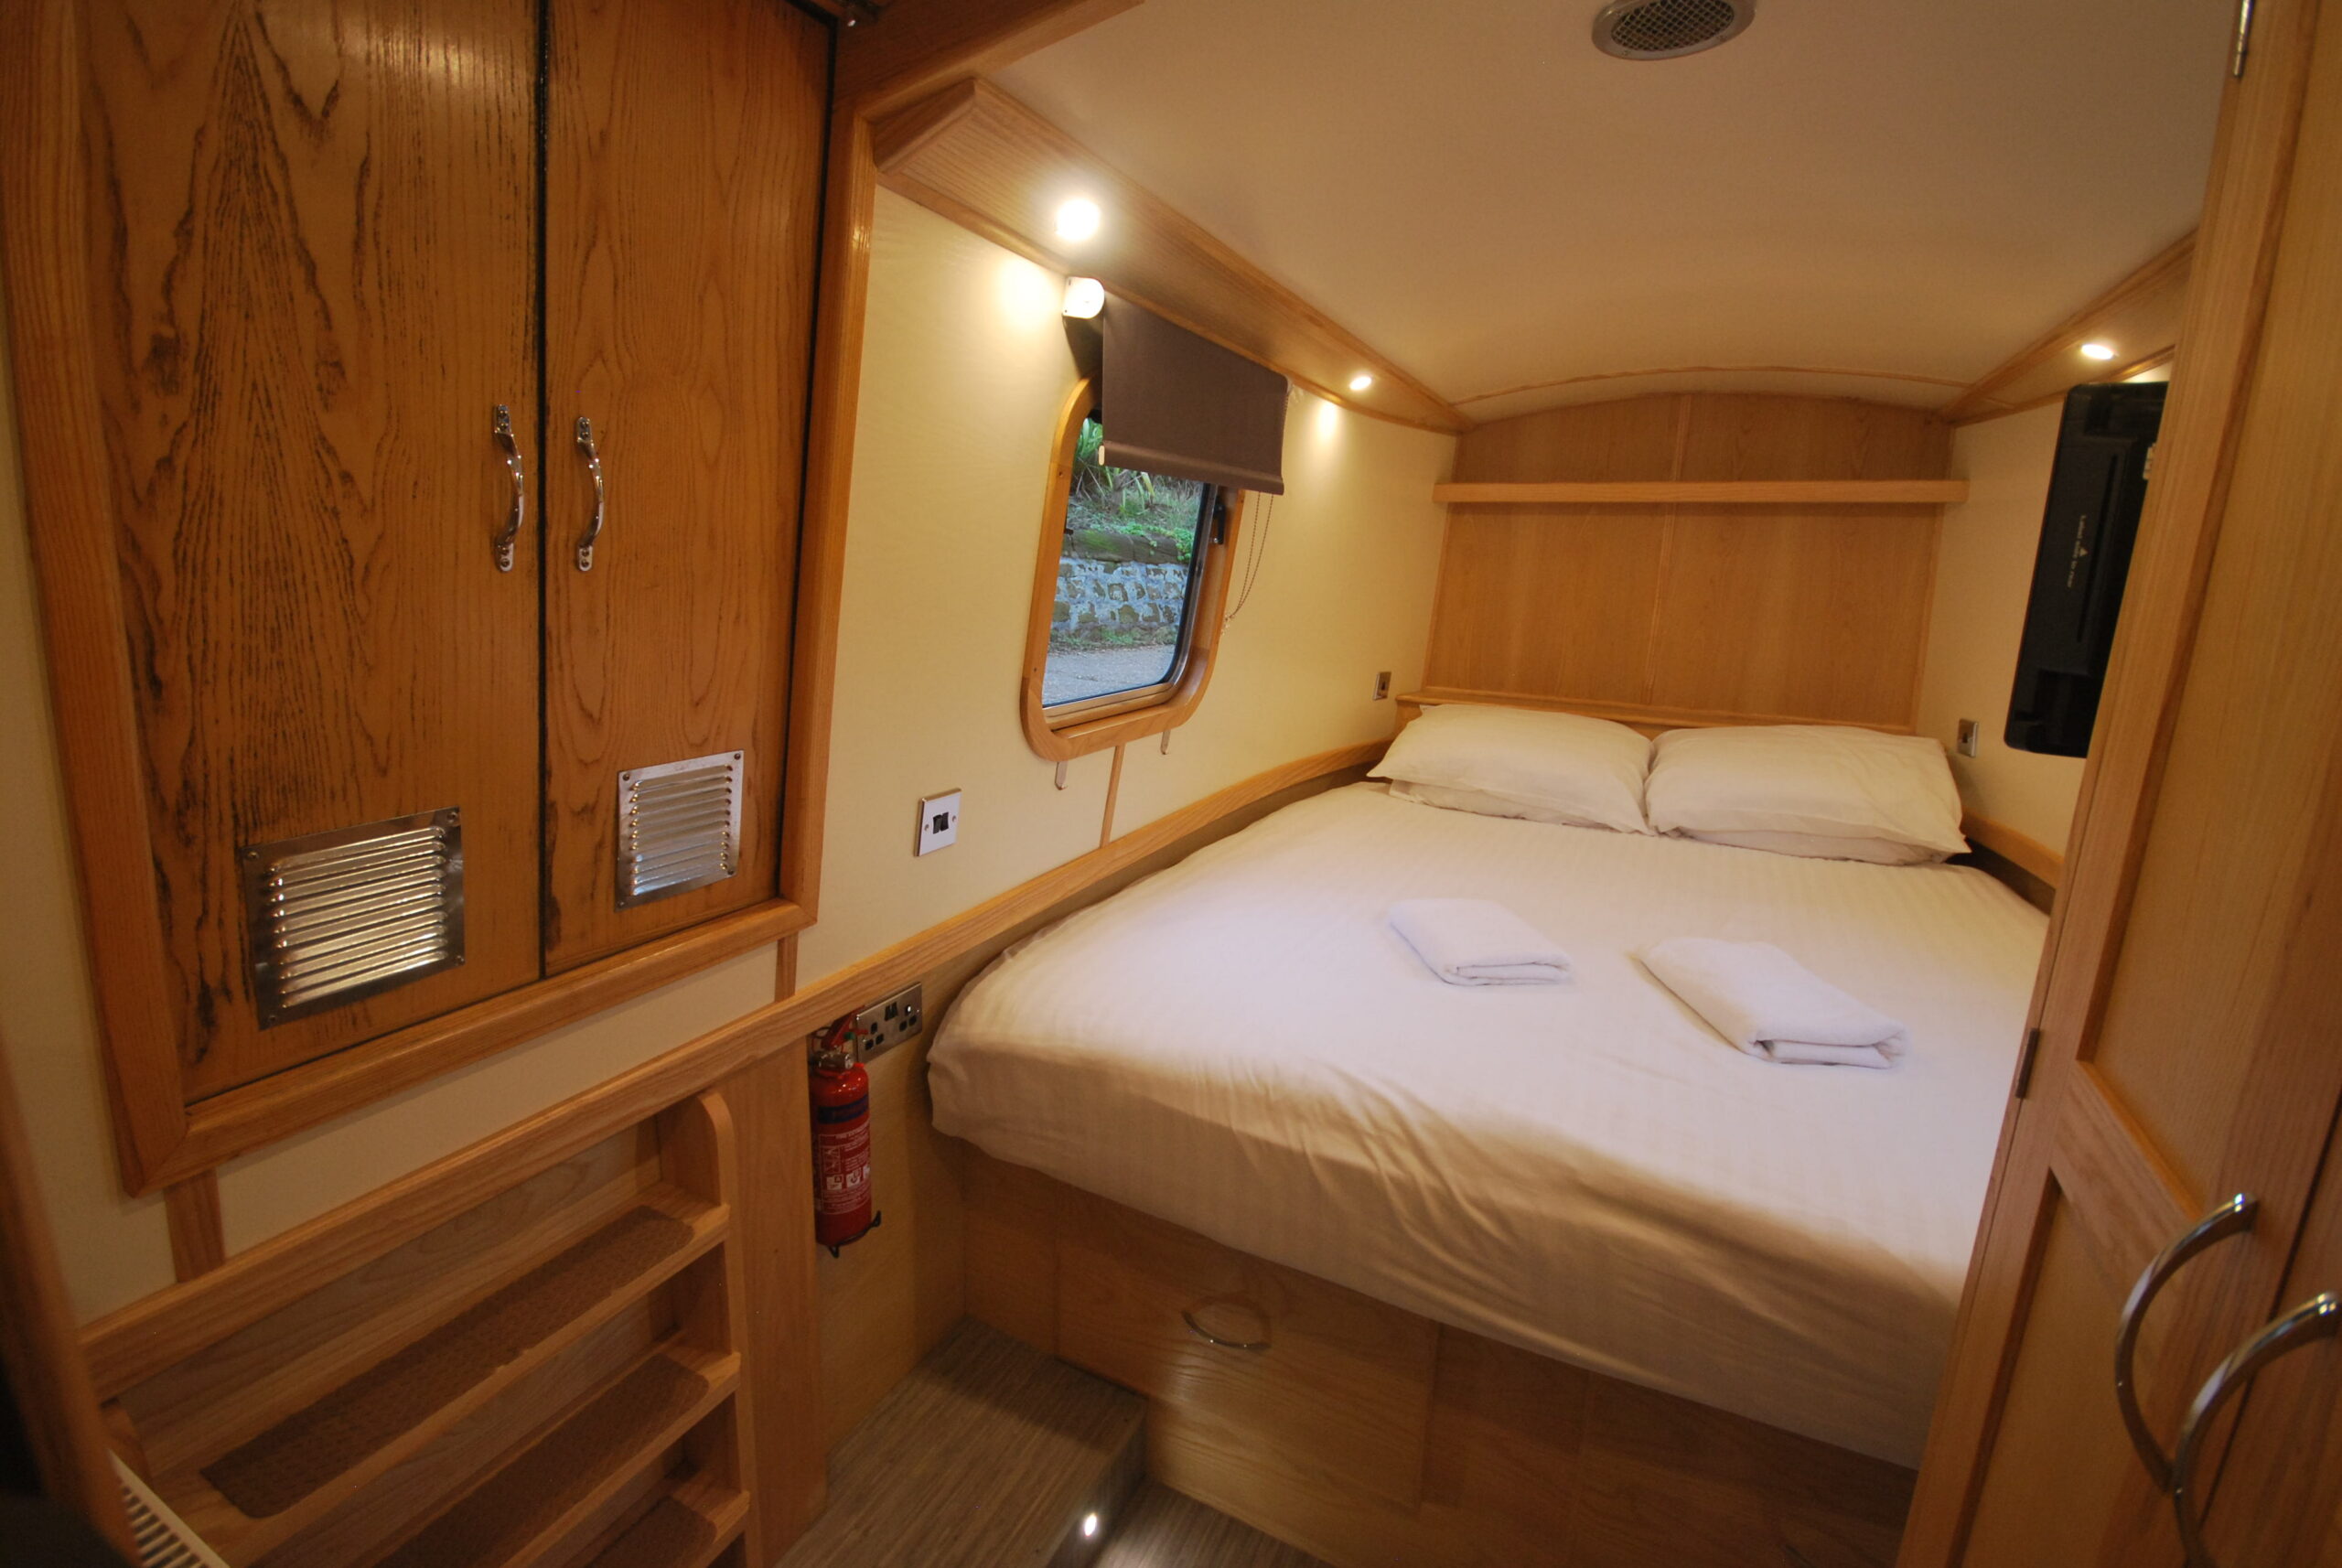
{"x": 684, "y": 174}
{"x": 312, "y": 237}
{"x": 2154, "y": 1182}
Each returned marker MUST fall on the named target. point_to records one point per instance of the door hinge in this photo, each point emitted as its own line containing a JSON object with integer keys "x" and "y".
{"x": 2244, "y": 38}
{"x": 2025, "y": 1062}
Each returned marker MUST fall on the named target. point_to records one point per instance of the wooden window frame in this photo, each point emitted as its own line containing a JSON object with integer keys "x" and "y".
{"x": 1072, "y": 735}
{"x": 162, "y": 1135}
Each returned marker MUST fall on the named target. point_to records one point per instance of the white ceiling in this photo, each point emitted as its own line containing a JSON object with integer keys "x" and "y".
{"x": 1886, "y": 185}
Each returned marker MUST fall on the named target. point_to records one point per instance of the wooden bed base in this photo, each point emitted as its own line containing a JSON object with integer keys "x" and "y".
{"x": 1376, "y": 1438}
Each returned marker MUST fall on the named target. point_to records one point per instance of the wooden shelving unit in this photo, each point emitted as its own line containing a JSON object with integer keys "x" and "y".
{"x": 1705, "y": 492}
{"x": 553, "y": 1380}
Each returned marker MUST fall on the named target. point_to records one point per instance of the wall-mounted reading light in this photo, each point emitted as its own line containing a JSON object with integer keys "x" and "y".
{"x": 1090, "y": 1525}
{"x": 1078, "y": 218}
{"x": 1084, "y": 297}
{"x": 2098, "y": 350}
{"x": 1360, "y": 381}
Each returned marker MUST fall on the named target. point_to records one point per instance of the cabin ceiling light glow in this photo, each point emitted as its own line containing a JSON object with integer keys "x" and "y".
{"x": 2098, "y": 350}
{"x": 1078, "y": 218}
{"x": 1360, "y": 381}
{"x": 1084, "y": 297}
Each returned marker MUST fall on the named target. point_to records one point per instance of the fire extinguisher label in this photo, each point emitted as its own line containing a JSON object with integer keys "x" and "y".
{"x": 841, "y": 1165}
{"x": 852, "y": 1111}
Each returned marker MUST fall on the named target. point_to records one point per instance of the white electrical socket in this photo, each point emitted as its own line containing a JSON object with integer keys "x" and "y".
{"x": 938, "y": 822}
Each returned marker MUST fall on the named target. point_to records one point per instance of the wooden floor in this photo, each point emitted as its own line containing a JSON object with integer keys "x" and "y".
{"x": 987, "y": 1455}
{"x": 1161, "y": 1529}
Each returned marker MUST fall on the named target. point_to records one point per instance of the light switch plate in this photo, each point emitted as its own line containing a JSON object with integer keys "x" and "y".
{"x": 1381, "y": 686}
{"x": 938, "y": 822}
{"x": 1968, "y": 737}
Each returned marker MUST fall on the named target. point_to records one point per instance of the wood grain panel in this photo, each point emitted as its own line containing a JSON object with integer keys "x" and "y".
{"x": 1790, "y": 610}
{"x": 991, "y": 164}
{"x": 312, "y": 248}
{"x": 682, "y": 189}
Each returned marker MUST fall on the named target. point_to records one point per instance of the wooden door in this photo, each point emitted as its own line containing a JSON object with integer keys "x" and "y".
{"x": 684, "y": 177}
{"x": 2191, "y": 1006}
{"x": 313, "y": 236}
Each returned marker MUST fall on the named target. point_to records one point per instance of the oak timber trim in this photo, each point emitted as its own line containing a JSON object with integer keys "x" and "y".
{"x": 134, "y": 1343}
{"x": 1980, "y": 399}
{"x": 45, "y": 1373}
{"x": 914, "y": 46}
{"x": 1702, "y": 492}
{"x": 977, "y": 156}
{"x": 1633, "y": 715}
{"x": 2021, "y": 850}
{"x": 191, "y": 1213}
{"x": 1064, "y": 739}
{"x": 1591, "y": 376}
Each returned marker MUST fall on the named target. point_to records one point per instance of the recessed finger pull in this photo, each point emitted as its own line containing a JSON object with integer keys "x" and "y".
{"x": 2231, "y": 1219}
{"x": 504, "y": 437}
{"x": 594, "y": 466}
{"x": 2318, "y": 1318}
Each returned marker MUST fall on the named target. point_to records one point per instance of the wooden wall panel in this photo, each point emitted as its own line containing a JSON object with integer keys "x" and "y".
{"x": 1791, "y": 612}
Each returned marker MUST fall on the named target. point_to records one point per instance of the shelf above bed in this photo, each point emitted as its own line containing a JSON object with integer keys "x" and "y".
{"x": 1707, "y": 492}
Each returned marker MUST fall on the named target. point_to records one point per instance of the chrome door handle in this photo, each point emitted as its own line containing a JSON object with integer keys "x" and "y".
{"x": 593, "y": 466}
{"x": 2230, "y": 1218}
{"x": 2320, "y": 1318}
{"x": 1256, "y": 1347}
{"x": 504, "y": 438}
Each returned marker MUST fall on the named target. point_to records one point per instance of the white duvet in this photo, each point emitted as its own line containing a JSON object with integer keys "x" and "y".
{"x": 1243, "y": 1046}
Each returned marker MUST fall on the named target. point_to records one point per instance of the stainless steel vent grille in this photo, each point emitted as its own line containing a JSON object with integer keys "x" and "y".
{"x": 678, "y": 826}
{"x": 1663, "y": 29}
{"x": 163, "y": 1539}
{"x": 337, "y": 916}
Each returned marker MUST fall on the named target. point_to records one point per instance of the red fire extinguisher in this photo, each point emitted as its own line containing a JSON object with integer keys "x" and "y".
{"x": 840, "y": 1095}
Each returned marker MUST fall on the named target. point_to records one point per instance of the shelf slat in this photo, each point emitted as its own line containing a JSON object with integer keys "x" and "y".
{"x": 1706, "y": 492}
{"x": 688, "y": 1528}
{"x": 242, "y": 1538}
{"x": 538, "y": 1503}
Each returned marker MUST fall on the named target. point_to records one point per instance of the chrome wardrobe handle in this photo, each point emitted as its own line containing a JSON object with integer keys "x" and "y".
{"x": 504, "y": 541}
{"x": 2318, "y": 1318}
{"x": 2230, "y": 1218}
{"x": 593, "y": 466}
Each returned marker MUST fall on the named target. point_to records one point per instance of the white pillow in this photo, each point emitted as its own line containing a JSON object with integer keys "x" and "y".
{"x": 1519, "y": 762}
{"x": 1822, "y": 781}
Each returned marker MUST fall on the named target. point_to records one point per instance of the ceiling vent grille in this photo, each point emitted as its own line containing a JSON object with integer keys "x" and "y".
{"x": 337, "y": 915}
{"x": 678, "y": 826}
{"x": 1663, "y": 29}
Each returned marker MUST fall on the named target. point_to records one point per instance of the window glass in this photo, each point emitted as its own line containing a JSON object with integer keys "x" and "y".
{"x": 1126, "y": 581}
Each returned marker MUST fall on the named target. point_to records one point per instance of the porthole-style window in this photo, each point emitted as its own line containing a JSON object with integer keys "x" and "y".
{"x": 1127, "y": 594}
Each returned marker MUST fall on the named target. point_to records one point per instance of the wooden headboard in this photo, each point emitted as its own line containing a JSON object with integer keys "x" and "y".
{"x": 1705, "y": 611}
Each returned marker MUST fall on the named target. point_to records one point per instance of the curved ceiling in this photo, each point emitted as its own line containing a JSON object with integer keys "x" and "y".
{"x": 1900, "y": 193}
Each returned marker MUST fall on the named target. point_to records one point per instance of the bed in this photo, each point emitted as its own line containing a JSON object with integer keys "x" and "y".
{"x": 1241, "y": 1046}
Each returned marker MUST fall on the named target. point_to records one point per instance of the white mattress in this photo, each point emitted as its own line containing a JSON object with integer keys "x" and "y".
{"x": 1241, "y": 1045}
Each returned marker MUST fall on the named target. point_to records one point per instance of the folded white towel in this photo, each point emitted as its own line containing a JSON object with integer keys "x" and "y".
{"x": 1771, "y": 1007}
{"x": 1471, "y": 941}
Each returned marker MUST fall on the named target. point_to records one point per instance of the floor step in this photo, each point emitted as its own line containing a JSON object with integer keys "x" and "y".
{"x": 989, "y": 1455}
{"x": 1161, "y": 1529}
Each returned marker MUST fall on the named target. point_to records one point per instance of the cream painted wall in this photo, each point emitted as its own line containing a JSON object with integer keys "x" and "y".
{"x": 114, "y": 1250}
{"x": 964, "y": 371}
{"x": 1983, "y": 573}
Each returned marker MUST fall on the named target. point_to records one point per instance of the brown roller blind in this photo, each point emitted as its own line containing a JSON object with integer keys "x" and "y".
{"x": 1174, "y": 403}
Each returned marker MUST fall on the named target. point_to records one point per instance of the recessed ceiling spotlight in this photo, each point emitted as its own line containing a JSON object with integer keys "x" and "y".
{"x": 1360, "y": 381}
{"x": 2098, "y": 350}
{"x": 1084, "y": 297}
{"x": 1663, "y": 29}
{"x": 1088, "y": 1524}
{"x": 1078, "y": 218}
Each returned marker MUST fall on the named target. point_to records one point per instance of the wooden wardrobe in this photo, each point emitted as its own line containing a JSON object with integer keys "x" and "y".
{"x": 2147, "y": 1332}
{"x": 414, "y": 396}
